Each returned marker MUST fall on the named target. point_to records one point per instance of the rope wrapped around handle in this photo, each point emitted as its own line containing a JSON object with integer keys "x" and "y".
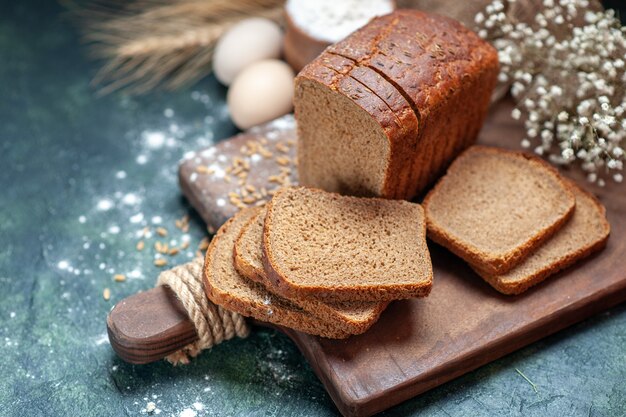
{"x": 213, "y": 323}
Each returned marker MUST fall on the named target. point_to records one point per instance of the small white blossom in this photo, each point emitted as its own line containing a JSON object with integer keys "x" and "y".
{"x": 568, "y": 80}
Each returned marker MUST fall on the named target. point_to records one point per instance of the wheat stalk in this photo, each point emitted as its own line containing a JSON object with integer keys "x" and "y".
{"x": 160, "y": 43}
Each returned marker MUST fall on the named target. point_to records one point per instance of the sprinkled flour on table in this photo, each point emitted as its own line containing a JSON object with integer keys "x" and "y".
{"x": 134, "y": 218}
{"x": 188, "y": 412}
{"x": 242, "y": 174}
{"x": 135, "y": 225}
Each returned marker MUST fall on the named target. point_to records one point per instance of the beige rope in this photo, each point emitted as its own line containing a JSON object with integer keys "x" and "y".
{"x": 213, "y": 323}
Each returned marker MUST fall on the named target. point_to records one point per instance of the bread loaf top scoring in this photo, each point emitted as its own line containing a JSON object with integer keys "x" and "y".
{"x": 427, "y": 56}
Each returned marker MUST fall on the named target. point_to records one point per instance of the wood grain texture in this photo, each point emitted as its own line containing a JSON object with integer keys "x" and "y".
{"x": 421, "y": 343}
{"x": 208, "y": 193}
{"x": 149, "y": 325}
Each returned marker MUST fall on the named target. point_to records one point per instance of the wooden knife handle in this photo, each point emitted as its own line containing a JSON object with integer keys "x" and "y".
{"x": 149, "y": 325}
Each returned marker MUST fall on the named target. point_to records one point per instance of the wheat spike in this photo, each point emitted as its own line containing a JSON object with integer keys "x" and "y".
{"x": 160, "y": 43}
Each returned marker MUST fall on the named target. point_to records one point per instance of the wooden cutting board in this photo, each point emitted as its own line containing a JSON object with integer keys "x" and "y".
{"x": 421, "y": 343}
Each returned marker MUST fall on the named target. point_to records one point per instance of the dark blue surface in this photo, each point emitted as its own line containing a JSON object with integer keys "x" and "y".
{"x": 69, "y": 220}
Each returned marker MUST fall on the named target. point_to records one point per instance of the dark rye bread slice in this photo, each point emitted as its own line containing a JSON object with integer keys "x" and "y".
{"x": 362, "y": 119}
{"x": 226, "y": 287}
{"x": 357, "y": 316}
{"x": 494, "y": 207}
{"x": 444, "y": 73}
{"x": 333, "y": 247}
{"x": 585, "y": 233}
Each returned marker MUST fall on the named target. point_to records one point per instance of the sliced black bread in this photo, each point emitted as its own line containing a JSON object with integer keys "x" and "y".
{"x": 357, "y": 316}
{"x": 586, "y": 232}
{"x": 226, "y": 287}
{"x": 332, "y": 247}
{"x": 494, "y": 207}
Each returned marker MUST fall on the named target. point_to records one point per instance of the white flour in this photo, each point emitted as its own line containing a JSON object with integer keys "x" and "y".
{"x": 333, "y": 20}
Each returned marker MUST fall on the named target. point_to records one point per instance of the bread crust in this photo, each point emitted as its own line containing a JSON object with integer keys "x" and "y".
{"x": 284, "y": 314}
{"x": 280, "y": 282}
{"x": 520, "y": 286}
{"x": 491, "y": 263}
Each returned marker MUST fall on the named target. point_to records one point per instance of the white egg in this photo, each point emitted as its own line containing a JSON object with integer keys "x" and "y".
{"x": 248, "y": 41}
{"x": 262, "y": 92}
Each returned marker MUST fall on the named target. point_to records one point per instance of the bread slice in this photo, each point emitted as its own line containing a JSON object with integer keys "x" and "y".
{"x": 373, "y": 84}
{"x": 226, "y": 287}
{"x": 356, "y": 316}
{"x": 332, "y": 247}
{"x": 494, "y": 207}
{"x": 586, "y": 232}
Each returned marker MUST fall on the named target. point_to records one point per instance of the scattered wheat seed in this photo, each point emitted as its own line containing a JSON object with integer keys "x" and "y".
{"x": 119, "y": 278}
{"x": 204, "y": 244}
{"x": 203, "y": 169}
{"x": 275, "y": 178}
{"x": 161, "y": 231}
{"x": 282, "y": 147}
{"x": 140, "y": 245}
{"x": 281, "y": 160}
{"x": 106, "y": 294}
{"x": 160, "y": 262}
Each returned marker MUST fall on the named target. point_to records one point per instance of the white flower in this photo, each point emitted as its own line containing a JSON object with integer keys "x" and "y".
{"x": 568, "y": 80}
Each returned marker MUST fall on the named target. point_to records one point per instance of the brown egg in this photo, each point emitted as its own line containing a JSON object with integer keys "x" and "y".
{"x": 260, "y": 93}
